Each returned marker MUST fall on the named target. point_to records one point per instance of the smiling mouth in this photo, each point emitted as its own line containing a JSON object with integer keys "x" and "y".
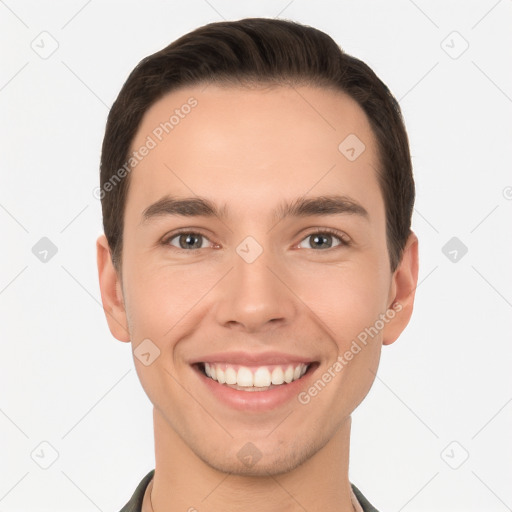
{"x": 259, "y": 378}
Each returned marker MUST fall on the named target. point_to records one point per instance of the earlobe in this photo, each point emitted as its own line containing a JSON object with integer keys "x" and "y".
{"x": 111, "y": 292}
{"x": 403, "y": 289}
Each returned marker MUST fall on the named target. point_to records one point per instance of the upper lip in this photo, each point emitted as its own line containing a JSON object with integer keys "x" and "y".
{"x": 252, "y": 358}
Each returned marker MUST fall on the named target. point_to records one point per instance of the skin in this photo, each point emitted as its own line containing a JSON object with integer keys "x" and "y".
{"x": 251, "y": 149}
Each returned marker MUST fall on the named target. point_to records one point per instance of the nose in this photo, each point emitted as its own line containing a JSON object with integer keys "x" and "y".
{"x": 254, "y": 296}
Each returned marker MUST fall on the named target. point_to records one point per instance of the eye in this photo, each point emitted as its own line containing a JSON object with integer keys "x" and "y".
{"x": 323, "y": 238}
{"x": 187, "y": 240}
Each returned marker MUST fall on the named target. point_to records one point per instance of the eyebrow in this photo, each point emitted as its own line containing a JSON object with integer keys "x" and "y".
{"x": 301, "y": 207}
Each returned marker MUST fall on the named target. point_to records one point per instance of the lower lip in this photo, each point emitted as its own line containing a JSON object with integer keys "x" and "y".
{"x": 257, "y": 400}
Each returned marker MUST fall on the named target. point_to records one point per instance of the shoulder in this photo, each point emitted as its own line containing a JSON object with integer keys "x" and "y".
{"x": 135, "y": 503}
{"x": 365, "y": 504}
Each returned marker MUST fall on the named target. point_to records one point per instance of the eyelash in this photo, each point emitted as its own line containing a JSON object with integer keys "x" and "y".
{"x": 318, "y": 231}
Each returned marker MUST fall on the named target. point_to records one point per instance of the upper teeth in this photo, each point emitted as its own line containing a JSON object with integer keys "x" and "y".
{"x": 260, "y": 376}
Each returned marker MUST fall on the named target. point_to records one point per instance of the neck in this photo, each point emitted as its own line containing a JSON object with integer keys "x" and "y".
{"x": 182, "y": 481}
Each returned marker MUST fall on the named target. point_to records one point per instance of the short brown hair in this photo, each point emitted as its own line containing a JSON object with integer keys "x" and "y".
{"x": 265, "y": 51}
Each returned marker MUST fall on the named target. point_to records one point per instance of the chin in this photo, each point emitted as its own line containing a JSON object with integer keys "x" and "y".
{"x": 250, "y": 461}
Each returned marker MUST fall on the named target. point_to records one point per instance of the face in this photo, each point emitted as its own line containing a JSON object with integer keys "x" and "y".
{"x": 230, "y": 259}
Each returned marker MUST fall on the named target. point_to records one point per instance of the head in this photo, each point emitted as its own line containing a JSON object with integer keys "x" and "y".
{"x": 257, "y": 194}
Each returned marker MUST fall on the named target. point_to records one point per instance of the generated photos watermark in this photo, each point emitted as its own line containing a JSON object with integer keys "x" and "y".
{"x": 157, "y": 135}
{"x": 304, "y": 397}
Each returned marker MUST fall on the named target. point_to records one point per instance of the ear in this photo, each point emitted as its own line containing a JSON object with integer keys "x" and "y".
{"x": 402, "y": 291}
{"x": 111, "y": 292}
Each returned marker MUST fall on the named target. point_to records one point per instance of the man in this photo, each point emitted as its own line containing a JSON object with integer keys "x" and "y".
{"x": 257, "y": 195}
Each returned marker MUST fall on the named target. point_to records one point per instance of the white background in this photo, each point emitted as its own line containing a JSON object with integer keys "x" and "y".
{"x": 66, "y": 381}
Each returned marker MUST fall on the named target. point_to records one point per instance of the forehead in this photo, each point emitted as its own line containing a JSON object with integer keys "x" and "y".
{"x": 248, "y": 147}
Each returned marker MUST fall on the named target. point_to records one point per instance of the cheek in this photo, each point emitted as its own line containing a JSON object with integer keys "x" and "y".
{"x": 346, "y": 298}
{"x": 161, "y": 303}
{"x": 162, "y": 296}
